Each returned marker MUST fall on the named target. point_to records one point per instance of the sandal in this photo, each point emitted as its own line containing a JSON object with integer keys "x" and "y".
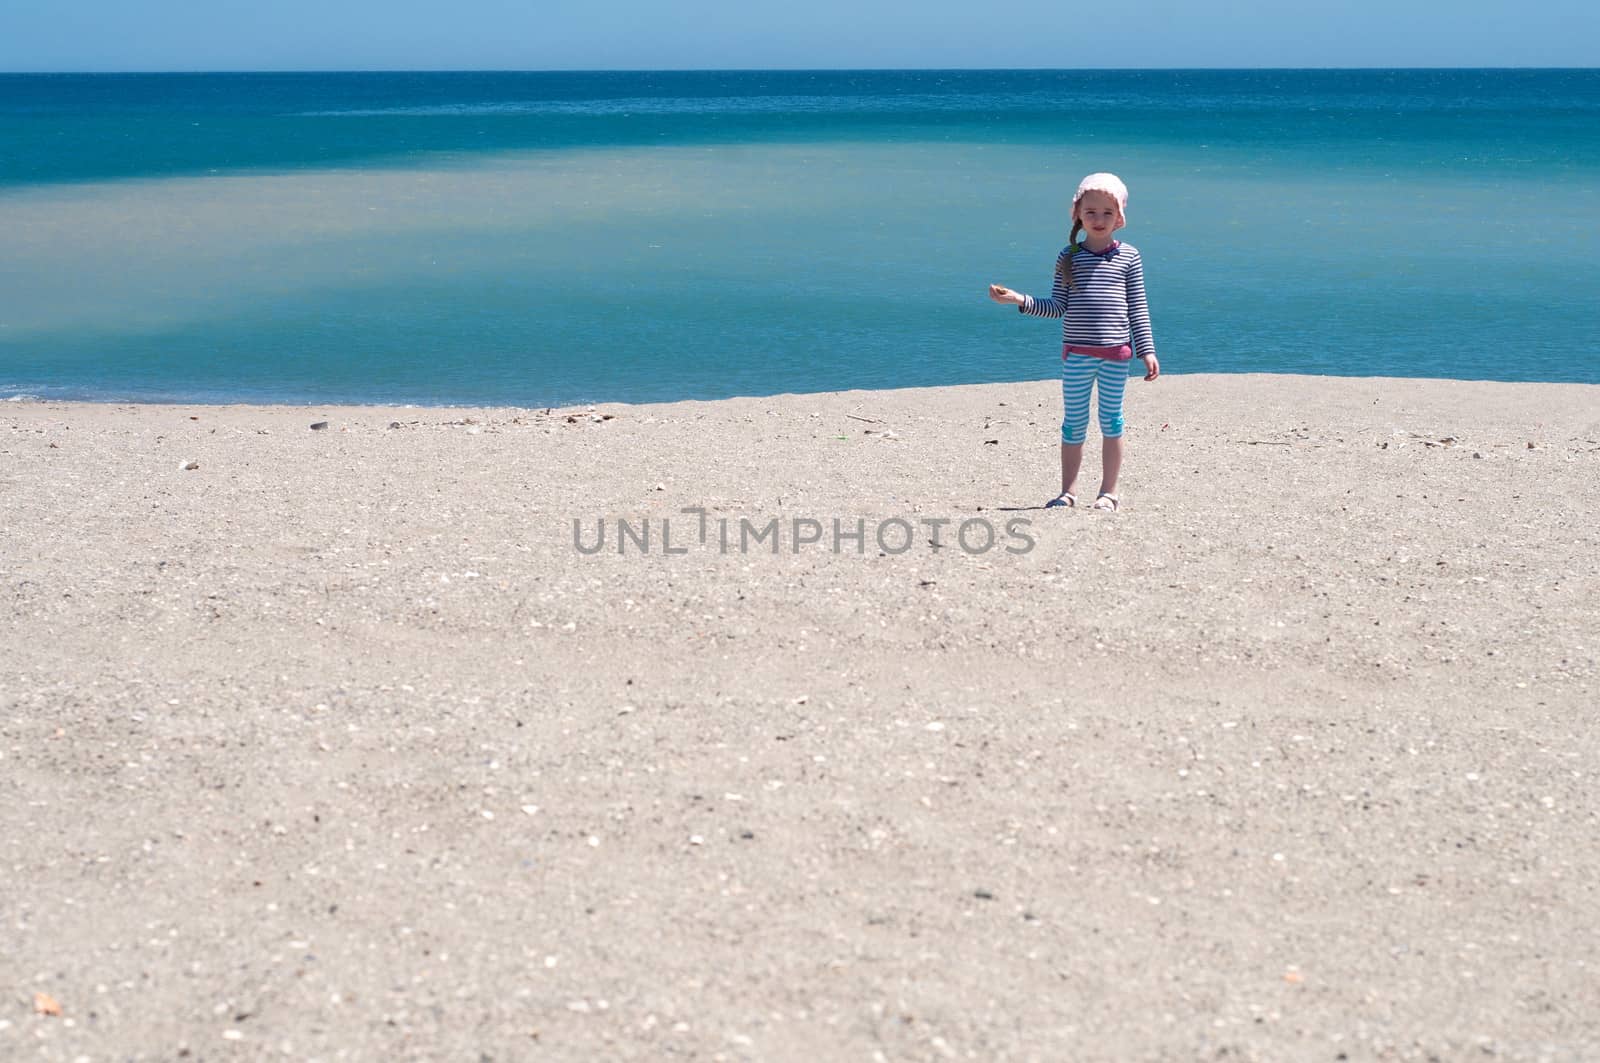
{"x": 1065, "y": 498}
{"x": 1104, "y": 497}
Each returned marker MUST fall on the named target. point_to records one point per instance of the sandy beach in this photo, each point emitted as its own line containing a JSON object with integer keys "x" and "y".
{"x": 339, "y": 743}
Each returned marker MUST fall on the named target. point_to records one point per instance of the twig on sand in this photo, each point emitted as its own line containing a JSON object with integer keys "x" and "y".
{"x": 869, "y": 420}
{"x": 1265, "y": 443}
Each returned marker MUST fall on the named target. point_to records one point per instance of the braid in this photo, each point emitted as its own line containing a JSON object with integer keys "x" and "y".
{"x": 1064, "y": 263}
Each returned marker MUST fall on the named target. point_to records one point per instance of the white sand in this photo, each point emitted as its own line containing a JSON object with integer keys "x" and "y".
{"x": 335, "y": 743}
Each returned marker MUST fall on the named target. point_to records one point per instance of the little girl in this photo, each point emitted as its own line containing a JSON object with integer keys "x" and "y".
{"x": 1099, "y": 294}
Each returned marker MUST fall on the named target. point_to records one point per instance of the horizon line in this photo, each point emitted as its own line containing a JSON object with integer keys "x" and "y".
{"x": 771, "y": 70}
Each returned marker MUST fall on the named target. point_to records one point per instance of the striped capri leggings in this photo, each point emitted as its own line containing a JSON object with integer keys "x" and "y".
{"x": 1079, "y": 372}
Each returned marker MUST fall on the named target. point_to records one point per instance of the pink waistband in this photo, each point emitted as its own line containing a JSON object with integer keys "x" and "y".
{"x": 1114, "y": 354}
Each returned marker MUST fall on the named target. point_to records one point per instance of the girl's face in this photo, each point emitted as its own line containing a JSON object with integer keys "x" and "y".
{"x": 1099, "y": 213}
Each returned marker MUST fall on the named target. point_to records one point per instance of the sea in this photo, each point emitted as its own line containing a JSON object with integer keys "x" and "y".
{"x": 543, "y": 239}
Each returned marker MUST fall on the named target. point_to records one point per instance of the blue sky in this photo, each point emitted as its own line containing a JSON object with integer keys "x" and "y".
{"x": 67, "y": 35}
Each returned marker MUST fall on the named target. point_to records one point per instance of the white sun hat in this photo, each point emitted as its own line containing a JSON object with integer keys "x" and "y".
{"x": 1111, "y": 185}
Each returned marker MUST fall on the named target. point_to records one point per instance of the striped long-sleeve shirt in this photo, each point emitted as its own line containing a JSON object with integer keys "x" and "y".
{"x": 1105, "y": 307}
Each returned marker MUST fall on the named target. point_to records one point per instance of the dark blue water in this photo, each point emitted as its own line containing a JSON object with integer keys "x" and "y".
{"x": 539, "y": 238}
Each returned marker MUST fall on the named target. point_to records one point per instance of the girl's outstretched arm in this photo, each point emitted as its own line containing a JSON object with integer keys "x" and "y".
{"x": 1005, "y": 296}
{"x": 1056, "y": 305}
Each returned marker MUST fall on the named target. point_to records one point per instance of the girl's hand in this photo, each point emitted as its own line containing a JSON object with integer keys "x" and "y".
{"x": 1005, "y": 296}
{"x": 1152, "y": 367}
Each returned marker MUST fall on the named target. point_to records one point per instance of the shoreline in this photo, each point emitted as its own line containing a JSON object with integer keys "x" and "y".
{"x": 335, "y": 741}
{"x": 27, "y": 399}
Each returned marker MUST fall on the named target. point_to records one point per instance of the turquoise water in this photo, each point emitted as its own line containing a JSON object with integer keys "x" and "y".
{"x": 542, "y": 239}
